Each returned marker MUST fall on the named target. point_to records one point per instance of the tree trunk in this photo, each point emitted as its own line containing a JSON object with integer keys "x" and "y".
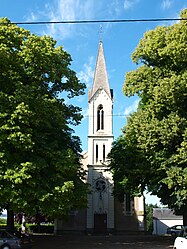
{"x": 10, "y": 219}
{"x": 185, "y": 218}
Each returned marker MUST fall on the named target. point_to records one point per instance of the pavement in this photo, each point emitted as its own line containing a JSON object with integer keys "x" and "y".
{"x": 101, "y": 242}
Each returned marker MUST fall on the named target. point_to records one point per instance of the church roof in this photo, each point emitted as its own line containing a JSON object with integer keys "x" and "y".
{"x": 100, "y": 77}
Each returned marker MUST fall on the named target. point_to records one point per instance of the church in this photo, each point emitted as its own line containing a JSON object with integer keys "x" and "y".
{"x": 105, "y": 214}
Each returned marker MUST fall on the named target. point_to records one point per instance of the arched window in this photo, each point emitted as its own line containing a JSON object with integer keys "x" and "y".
{"x": 104, "y": 153}
{"x": 100, "y": 118}
{"x": 96, "y": 153}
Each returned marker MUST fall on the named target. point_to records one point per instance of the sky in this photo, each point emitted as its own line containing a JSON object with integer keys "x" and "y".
{"x": 81, "y": 40}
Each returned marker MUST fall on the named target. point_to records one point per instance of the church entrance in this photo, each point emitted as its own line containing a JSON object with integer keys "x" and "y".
{"x": 100, "y": 223}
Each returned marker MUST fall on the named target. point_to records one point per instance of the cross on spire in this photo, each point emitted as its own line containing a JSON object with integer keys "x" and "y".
{"x": 101, "y": 32}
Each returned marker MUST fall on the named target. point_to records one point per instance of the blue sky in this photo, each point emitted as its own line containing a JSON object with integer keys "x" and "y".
{"x": 81, "y": 40}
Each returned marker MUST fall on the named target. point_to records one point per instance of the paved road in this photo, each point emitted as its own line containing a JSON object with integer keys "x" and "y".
{"x": 101, "y": 242}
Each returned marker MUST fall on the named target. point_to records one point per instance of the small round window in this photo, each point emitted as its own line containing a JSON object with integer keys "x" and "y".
{"x": 100, "y": 185}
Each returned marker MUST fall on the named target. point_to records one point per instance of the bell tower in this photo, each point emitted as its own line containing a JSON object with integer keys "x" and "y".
{"x": 104, "y": 213}
{"x": 100, "y": 212}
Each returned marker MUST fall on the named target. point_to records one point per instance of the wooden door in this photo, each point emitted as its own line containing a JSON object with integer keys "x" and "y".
{"x": 100, "y": 223}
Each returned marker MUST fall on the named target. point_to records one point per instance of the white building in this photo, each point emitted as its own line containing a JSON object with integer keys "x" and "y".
{"x": 105, "y": 213}
{"x": 164, "y": 218}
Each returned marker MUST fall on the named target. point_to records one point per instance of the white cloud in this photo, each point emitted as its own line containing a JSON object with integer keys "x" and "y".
{"x": 67, "y": 10}
{"x": 63, "y": 10}
{"x": 86, "y": 75}
{"x": 166, "y": 4}
{"x": 131, "y": 108}
{"x": 128, "y": 4}
{"x": 71, "y": 10}
{"x": 113, "y": 8}
{"x": 31, "y": 17}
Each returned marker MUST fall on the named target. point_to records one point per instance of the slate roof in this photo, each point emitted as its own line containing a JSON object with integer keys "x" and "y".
{"x": 100, "y": 77}
{"x": 165, "y": 214}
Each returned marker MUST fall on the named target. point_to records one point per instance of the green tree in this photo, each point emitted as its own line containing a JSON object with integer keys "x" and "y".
{"x": 149, "y": 216}
{"x": 152, "y": 152}
{"x": 40, "y": 170}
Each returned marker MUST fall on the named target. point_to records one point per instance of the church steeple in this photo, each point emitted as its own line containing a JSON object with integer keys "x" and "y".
{"x": 100, "y": 134}
{"x": 104, "y": 214}
{"x": 100, "y": 77}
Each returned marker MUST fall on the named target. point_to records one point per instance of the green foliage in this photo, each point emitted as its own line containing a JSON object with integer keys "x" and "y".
{"x": 152, "y": 151}
{"x": 40, "y": 167}
{"x": 149, "y": 217}
{"x": 2, "y": 221}
{"x": 44, "y": 228}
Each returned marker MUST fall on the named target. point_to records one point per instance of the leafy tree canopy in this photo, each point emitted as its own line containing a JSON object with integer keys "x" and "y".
{"x": 40, "y": 167}
{"x": 152, "y": 152}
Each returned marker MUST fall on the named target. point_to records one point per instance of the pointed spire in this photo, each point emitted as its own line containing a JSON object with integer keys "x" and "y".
{"x": 100, "y": 76}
